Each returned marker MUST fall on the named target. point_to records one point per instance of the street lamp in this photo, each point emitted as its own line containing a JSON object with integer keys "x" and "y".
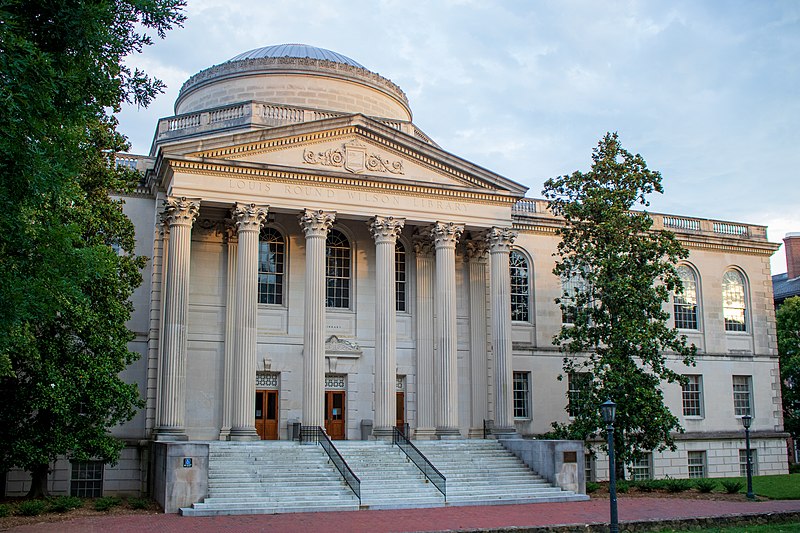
{"x": 609, "y": 410}
{"x": 746, "y": 421}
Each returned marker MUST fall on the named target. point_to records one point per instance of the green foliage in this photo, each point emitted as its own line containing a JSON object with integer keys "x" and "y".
{"x": 31, "y": 508}
{"x": 780, "y": 487}
{"x": 63, "y": 287}
{"x": 732, "y": 486}
{"x": 591, "y": 487}
{"x": 677, "y": 485}
{"x": 788, "y": 325}
{"x": 705, "y": 485}
{"x": 106, "y": 503}
{"x": 623, "y": 486}
{"x": 647, "y": 485}
{"x": 62, "y": 504}
{"x": 5, "y": 510}
{"x": 138, "y": 503}
{"x": 794, "y": 468}
{"x": 626, "y": 272}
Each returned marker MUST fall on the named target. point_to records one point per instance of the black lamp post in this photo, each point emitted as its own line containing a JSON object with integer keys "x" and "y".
{"x": 746, "y": 421}
{"x": 609, "y": 410}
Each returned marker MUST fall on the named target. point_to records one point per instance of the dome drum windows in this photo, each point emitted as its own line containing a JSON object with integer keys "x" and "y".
{"x": 271, "y": 266}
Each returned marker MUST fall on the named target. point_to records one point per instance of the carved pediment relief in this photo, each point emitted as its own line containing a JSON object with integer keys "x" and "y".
{"x": 337, "y": 347}
{"x": 355, "y": 157}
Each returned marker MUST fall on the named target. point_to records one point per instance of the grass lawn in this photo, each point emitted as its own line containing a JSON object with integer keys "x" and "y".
{"x": 790, "y": 527}
{"x": 782, "y": 487}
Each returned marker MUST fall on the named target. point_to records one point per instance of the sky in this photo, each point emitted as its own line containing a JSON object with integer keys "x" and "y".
{"x": 708, "y": 92}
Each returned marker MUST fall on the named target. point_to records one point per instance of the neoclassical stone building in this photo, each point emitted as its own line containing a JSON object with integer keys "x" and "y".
{"x": 316, "y": 258}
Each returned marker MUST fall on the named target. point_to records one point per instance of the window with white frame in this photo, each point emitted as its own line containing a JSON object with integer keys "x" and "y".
{"x": 693, "y": 396}
{"x": 589, "y": 467}
{"x": 685, "y": 303}
{"x": 522, "y": 395}
{"x": 577, "y": 384}
{"x": 337, "y": 270}
{"x": 742, "y": 395}
{"x": 271, "y": 262}
{"x": 743, "y": 462}
{"x": 570, "y": 286}
{"x": 734, "y": 302}
{"x": 400, "y": 277}
{"x": 520, "y": 287}
{"x": 86, "y": 479}
{"x": 642, "y": 468}
{"x": 697, "y": 464}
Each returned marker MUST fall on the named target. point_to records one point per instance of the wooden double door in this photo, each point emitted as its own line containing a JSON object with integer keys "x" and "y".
{"x": 335, "y": 423}
{"x": 267, "y": 414}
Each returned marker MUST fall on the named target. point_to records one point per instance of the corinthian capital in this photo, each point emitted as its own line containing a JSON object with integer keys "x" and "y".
{"x": 476, "y": 247}
{"x": 248, "y": 217}
{"x": 500, "y": 239}
{"x": 446, "y": 233}
{"x": 385, "y": 229}
{"x": 422, "y": 241}
{"x": 180, "y": 211}
{"x": 316, "y": 222}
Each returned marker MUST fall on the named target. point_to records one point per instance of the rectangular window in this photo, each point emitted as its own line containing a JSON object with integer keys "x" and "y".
{"x": 742, "y": 395}
{"x": 577, "y": 383}
{"x": 693, "y": 396}
{"x": 522, "y": 395}
{"x": 743, "y": 462}
{"x": 642, "y": 468}
{"x": 589, "y": 467}
{"x": 400, "y": 277}
{"x": 697, "y": 464}
{"x": 87, "y": 479}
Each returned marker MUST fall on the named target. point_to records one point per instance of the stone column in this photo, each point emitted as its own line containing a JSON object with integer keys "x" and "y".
{"x": 232, "y": 242}
{"x": 426, "y": 420}
{"x": 179, "y": 214}
{"x": 445, "y": 236}
{"x": 315, "y": 224}
{"x": 500, "y": 241}
{"x": 248, "y": 219}
{"x": 385, "y": 231}
{"x": 476, "y": 256}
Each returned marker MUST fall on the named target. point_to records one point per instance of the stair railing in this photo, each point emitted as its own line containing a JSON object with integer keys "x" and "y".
{"x": 318, "y": 435}
{"x": 488, "y": 425}
{"x": 420, "y": 461}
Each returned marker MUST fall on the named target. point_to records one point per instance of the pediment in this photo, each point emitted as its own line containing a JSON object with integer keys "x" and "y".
{"x": 359, "y": 151}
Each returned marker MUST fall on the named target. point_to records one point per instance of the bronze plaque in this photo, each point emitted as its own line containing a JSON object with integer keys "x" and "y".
{"x": 570, "y": 457}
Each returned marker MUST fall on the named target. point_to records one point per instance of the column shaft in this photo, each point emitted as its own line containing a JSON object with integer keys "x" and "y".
{"x": 179, "y": 214}
{"x": 232, "y": 241}
{"x": 426, "y": 420}
{"x": 476, "y": 253}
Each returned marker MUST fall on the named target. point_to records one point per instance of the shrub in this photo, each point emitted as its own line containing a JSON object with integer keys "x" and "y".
{"x": 62, "y": 504}
{"x": 5, "y": 510}
{"x": 794, "y": 468}
{"x": 105, "y": 504}
{"x": 705, "y": 485}
{"x": 622, "y": 486}
{"x": 591, "y": 487}
{"x": 31, "y": 508}
{"x": 144, "y": 503}
{"x": 647, "y": 485}
{"x": 677, "y": 485}
{"x": 732, "y": 486}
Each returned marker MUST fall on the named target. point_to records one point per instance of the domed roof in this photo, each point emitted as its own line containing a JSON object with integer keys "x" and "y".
{"x": 296, "y": 50}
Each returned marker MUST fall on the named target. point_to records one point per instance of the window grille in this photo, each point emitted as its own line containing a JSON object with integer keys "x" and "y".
{"x": 742, "y": 395}
{"x": 400, "y": 276}
{"x": 577, "y": 383}
{"x": 685, "y": 303}
{"x": 693, "y": 396}
{"x": 697, "y": 464}
{"x": 522, "y": 406}
{"x": 589, "y": 467}
{"x": 271, "y": 262}
{"x": 86, "y": 480}
{"x": 267, "y": 380}
{"x": 743, "y": 461}
{"x": 570, "y": 286}
{"x": 335, "y": 382}
{"x": 642, "y": 468}
{"x": 520, "y": 287}
{"x": 337, "y": 270}
{"x": 734, "y": 307}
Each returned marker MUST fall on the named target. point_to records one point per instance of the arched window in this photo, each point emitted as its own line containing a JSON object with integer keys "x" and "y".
{"x": 734, "y": 303}
{"x": 570, "y": 286}
{"x": 337, "y": 270}
{"x": 400, "y": 277}
{"x": 271, "y": 263}
{"x": 520, "y": 287}
{"x": 685, "y": 303}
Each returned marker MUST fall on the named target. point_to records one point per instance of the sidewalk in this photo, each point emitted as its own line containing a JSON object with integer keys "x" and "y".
{"x": 484, "y": 518}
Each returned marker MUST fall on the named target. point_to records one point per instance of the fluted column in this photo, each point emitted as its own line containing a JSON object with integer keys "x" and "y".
{"x": 248, "y": 219}
{"x": 315, "y": 225}
{"x": 229, "y": 370}
{"x": 385, "y": 231}
{"x": 179, "y": 215}
{"x": 426, "y": 420}
{"x": 445, "y": 237}
{"x": 500, "y": 241}
{"x": 476, "y": 256}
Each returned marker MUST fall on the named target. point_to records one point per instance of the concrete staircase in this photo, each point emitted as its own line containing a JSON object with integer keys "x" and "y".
{"x": 271, "y": 477}
{"x": 483, "y": 472}
{"x": 388, "y": 479}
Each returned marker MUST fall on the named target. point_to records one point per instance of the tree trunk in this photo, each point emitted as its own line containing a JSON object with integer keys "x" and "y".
{"x": 39, "y": 481}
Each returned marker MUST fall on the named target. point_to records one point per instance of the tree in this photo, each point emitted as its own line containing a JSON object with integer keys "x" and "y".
{"x": 67, "y": 262}
{"x": 788, "y": 319}
{"x": 622, "y": 273}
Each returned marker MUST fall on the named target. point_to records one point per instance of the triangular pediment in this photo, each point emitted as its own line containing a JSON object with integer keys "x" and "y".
{"x": 359, "y": 147}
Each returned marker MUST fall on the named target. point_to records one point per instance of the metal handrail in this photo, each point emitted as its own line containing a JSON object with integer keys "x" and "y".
{"x": 420, "y": 461}
{"x": 316, "y": 434}
{"x": 488, "y": 425}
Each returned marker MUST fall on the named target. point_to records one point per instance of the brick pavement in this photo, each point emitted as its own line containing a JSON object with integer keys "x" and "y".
{"x": 483, "y": 518}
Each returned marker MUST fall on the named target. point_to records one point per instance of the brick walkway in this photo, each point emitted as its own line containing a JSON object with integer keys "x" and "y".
{"x": 486, "y": 518}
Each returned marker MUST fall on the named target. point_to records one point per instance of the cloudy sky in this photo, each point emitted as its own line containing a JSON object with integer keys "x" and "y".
{"x": 707, "y": 91}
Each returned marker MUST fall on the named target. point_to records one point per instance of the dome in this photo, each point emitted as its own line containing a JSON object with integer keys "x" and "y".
{"x": 298, "y": 76}
{"x": 296, "y": 50}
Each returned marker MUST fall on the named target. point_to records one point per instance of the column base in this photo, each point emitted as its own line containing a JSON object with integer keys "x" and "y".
{"x": 224, "y": 433}
{"x": 425, "y": 434}
{"x": 383, "y": 433}
{"x": 171, "y": 434}
{"x": 243, "y": 434}
{"x": 448, "y": 433}
{"x": 505, "y": 433}
{"x": 475, "y": 433}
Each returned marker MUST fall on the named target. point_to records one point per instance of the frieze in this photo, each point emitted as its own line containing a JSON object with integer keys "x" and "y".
{"x": 354, "y": 158}
{"x": 341, "y": 347}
